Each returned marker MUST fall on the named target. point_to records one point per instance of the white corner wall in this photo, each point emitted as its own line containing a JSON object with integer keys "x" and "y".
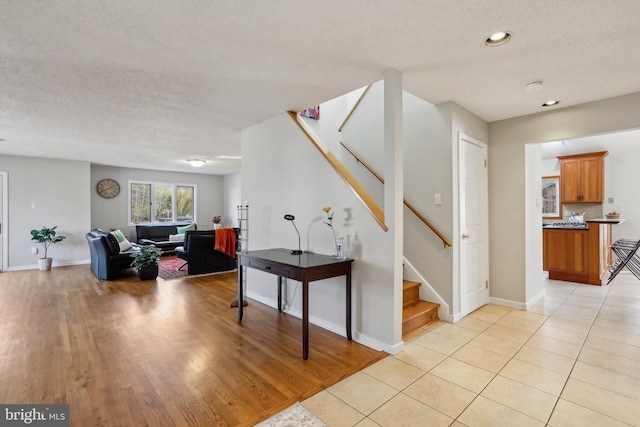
{"x": 232, "y": 196}
{"x": 283, "y": 173}
{"x": 47, "y": 192}
{"x": 533, "y": 229}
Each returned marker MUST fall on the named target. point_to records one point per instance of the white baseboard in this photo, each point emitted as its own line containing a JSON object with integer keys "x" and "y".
{"x": 508, "y": 303}
{"x": 335, "y": 328}
{"x": 534, "y": 300}
{"x": 55, "y": 264}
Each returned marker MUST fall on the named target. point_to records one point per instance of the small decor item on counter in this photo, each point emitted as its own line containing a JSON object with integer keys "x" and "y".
{"x": 46, "y": 237}
{"x": 217, "y": 221}
{"x": 340, "y": 250}
{"x": 329, "y": 222}
{"x": 614, "y": 212}
{"x": 576, "y": 218}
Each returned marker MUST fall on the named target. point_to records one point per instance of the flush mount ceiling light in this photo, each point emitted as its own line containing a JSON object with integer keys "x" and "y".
{"x": 497, "y": 39}
{"x": 551, "y": 103}
{"x": 196, "y": 163}
{"x": 533, "y": 86}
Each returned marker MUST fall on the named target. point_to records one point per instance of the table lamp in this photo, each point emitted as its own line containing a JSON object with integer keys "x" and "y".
{"x": 289, "y": 217}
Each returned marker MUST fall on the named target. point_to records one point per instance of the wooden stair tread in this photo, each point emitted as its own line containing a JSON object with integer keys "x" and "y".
{"x": 417, "y": 308}
{"x": 406, "y": 284}
{"x": 418, "y": 314}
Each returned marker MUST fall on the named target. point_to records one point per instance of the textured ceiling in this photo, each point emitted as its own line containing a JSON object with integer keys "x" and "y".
{"x": 150, "y": 83}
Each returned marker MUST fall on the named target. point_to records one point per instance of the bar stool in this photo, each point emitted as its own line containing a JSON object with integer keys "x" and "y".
{"x": 625, "y": 250}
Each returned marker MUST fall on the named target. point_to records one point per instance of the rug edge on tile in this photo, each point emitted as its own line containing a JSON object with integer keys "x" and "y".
{"x": 295, "y": 415}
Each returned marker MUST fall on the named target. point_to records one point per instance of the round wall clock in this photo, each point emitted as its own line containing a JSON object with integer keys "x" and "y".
{"x": 108, "y": 188}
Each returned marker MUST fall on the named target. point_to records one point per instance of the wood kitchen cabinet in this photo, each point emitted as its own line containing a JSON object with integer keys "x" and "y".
{"x": 566, "y": 252}
{"x": 582, "y": 178}
{"x": 581, "y": 256}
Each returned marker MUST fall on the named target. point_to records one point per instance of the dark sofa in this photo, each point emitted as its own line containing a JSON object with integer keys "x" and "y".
{"x": 106, "y": 258}
{"x": 157, "y": 234}
{"x": 201, "y": 257}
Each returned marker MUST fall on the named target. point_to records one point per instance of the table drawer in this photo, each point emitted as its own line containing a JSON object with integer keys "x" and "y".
{"x": 279, "y": 270}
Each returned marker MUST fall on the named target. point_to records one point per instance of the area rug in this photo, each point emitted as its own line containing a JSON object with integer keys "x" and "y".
{"x": 294, "y": 416}
{"x": 168, "y": 268}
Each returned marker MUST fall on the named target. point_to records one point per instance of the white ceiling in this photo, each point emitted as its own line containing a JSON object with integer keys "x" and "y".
{"x": 150, "y": 83}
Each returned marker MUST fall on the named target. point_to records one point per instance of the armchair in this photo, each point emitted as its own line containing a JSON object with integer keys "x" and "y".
{"x": 106, "y": 258}
{"x": 199, "y": 253}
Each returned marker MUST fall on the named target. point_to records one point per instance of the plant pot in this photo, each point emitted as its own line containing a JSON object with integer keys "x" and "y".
{"x": 44, "y": 263}
{"x": 148, "y": 273}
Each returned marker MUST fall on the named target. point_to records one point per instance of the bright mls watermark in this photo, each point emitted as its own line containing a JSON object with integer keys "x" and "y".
{"x": 36, "y": 415}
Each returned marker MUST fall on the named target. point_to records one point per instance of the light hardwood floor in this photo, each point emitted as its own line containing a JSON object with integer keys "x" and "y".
{"x": 127, "y": 352}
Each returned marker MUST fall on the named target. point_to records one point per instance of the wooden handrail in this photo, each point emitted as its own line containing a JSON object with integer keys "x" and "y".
{"x": 359, "y": 160}
{"x": 360, "y": 192}
{"x": 445, "y": 241}
{"x": 346, "y": 119}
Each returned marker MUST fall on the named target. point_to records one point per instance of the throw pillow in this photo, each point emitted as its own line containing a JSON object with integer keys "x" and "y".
{"x": 182, "y": 230}
{"x": 119, "y": 235}
{"x": 176, "y": 237}
{"x": 125, "y": 245}
{"x": 112, "y": 243}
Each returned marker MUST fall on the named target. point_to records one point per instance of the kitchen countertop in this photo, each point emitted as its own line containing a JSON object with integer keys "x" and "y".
{"x": 581, "y": 225}
{"x": 607, "y": 220}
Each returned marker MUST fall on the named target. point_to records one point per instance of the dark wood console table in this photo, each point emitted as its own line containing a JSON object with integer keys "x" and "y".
{"x": 304, "y": 268}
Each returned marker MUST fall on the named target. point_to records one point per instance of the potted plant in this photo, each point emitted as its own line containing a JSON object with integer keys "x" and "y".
{"x": 46, "y": 237}
{"x": 217, "y": 221}
{"x": 146, "y": 261}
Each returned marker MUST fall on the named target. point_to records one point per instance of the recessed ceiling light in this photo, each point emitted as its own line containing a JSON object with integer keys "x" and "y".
{"x": 497, "y": 39}
{"x": 533, "y": 86}
{"x": 551, "y": 103}
{"x": 196, "y": 163}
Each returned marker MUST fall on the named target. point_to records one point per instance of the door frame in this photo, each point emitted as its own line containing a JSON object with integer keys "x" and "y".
{"x": 5, "y": 222}
{"x": 458, "y": 227}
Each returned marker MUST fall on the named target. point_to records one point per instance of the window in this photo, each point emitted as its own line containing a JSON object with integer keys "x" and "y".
{"x": 160, "y": 202}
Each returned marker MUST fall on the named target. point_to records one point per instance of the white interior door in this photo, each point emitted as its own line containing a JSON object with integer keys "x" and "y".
{"x": 474, "y": 228}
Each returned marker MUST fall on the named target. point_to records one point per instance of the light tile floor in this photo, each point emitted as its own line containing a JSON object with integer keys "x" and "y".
{"x": 573, "y": 359}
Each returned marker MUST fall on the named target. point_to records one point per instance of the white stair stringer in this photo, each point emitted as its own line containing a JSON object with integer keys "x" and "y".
{"x": 427, "y": 293}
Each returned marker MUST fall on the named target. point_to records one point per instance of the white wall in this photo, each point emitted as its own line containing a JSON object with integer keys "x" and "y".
{"x": 232, "y": 196}
{"x": 364, "y": 134}
{"x": 508, "y": 181}
{"x": 113, "y": 213}
{"x": 428, "y": 171}
{"x": 533, "y": 229}
{"x": 283, "y": 173}
{"x": 46, "y": 192}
